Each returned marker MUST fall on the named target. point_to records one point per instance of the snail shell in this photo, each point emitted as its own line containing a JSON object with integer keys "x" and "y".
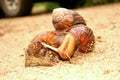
{"x": 64, "y": 19}
{"x": 84, "y": 36}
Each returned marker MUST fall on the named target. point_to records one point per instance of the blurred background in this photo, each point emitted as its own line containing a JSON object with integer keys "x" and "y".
{"x": 15, "y": 8}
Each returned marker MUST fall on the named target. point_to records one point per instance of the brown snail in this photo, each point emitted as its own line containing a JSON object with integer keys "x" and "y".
{"x": 70, "y": 33}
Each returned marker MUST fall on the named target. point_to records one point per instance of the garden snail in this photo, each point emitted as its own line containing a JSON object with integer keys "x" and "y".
{"x": 71, "y": 33}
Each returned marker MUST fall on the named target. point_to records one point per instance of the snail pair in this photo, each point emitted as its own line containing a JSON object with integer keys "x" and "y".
{"x": 71, "y": 34}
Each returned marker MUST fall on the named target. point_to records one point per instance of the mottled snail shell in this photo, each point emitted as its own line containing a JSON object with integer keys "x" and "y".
{"x": 64, "y": 19}
{"x": 84, "y": 36}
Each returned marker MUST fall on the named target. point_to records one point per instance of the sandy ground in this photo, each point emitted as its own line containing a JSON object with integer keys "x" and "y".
{"x": 101, "y": 64}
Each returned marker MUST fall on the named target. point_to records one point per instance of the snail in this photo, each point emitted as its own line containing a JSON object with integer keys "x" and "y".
{"x": 71, "y": 33}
